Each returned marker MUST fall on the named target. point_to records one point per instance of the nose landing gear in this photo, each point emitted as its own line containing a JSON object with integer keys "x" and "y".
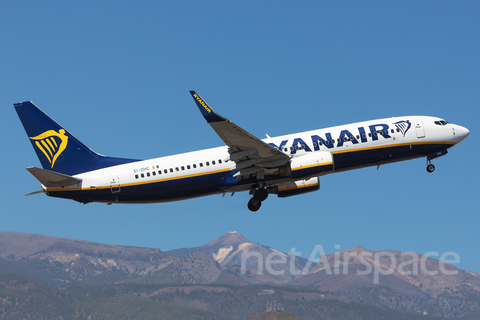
{"x": 430, "y": 166}
{"x": 259, "y": 195}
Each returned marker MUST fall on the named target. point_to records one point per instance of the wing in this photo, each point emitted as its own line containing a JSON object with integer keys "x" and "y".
{"x": 251, "y": 155}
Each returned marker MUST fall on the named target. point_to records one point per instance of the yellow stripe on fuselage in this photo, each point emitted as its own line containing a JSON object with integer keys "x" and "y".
{"x": 140, "y": 183}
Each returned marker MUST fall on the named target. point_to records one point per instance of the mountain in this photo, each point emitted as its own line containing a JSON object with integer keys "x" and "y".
{"x": 53, "y": 260}
{"x": 233, "y": 249}
{"x": 405, "y": 281}
{"x": 235, "y": 277}
{"x": 408, "y": 273}
{"x": 21, "y": 298}
{"x": 275, "y": 315}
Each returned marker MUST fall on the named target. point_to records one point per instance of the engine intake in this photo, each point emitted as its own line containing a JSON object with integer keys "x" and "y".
{"x": 312, "y": 165}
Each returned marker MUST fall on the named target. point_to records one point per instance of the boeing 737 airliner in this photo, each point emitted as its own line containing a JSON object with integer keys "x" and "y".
{"x": 286, "y": 166}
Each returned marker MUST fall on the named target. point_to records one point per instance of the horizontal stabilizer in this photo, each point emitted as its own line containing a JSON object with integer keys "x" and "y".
{"x": 53, "y": 179}
{"x": 34, "y": 192}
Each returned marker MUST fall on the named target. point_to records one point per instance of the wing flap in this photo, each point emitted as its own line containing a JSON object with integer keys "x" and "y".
{"x": 52, "y": 179}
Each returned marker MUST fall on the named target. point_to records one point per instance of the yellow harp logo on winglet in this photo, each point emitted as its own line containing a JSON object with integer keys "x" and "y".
{"x": 51, "y": 143}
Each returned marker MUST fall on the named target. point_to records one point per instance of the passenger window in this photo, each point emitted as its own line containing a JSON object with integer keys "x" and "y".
{"x": 154, "y": 173}
{"x": 386, "y": 132}
{"x": 358, "y": 137}
{"x": 393, "y": 131}
{"x": 369, "y": 134}
{"x": 176, "y": 169}
{"x": 364, "y": 135}
{"x": 303, "y": 147}
{"x": 338, "y": 140}
{"x": 159, "y": 171}
{"x": 285, "y": 149}
{"x": 188, "y": 167}
{"x": 207, "y": 163}
{"x": 333, "y": 141}
{"x": 296, "y": 147}
{"x": 213, "y": 162}
{"x": 183, "y": 168}
{"x": 136, "y": 176}
{"x": 165, "y": 171}
{"x": 142, "y": 175}
{"x": 219, "y": 161}
{"x": 314, "y": 144}
{"x": 351, "y": 138}
{"x": 171, "y": 169}
{"x": 148, "y": 174}
{"x": 201, "y": 164}
{"x": 194, "y": 165}
{"x": 345, "y": 139}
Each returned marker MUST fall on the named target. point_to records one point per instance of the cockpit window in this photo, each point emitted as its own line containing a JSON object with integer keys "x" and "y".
{"x": 441, "y": 122}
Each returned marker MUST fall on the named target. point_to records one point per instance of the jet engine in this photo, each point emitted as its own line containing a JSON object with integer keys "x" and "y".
{"x": 312, "y": 165}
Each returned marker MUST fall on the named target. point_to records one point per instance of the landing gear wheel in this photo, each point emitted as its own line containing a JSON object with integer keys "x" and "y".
{"x": 254, "y": 204}
{"x": 261, "y": 194}
{"x": 430, "y": 168}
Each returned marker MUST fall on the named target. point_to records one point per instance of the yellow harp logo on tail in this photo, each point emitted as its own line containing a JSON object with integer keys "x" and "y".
{"x": 51, "y": 143}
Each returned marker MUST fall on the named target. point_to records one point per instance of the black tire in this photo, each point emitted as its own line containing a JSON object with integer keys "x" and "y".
{"x": 430, "y": 168}
{"x": 261, "y": 194}
{"x": 254, "y": 204}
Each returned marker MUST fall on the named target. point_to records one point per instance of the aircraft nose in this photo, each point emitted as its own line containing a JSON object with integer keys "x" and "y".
{"x": 461, "y": 133}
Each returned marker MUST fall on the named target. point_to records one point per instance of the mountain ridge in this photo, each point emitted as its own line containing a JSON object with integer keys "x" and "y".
{"x": 403, "y": 281}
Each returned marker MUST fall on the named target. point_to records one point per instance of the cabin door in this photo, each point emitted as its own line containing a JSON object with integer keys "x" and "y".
{"x": 419, "y": 128}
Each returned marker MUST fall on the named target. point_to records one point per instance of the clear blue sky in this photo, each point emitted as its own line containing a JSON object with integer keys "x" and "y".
{"x": 117, "y": 74}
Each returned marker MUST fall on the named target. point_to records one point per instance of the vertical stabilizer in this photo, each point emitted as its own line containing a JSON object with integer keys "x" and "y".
{"x": 57, "y": 149}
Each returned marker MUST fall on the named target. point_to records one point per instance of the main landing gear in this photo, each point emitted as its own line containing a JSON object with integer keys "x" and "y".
{"x": 259, "y": 195}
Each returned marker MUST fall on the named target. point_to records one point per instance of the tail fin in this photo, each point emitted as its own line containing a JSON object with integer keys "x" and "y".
{"x": 57, "y": 149}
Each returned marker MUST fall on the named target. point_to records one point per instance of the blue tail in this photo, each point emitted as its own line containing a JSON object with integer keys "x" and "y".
{"x": 57, "y": 149}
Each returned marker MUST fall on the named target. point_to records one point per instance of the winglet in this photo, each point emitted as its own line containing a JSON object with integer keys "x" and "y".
{"x": 208, "y": 113}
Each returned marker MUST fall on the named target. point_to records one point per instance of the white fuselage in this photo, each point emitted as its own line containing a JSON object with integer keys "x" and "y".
{"x": 200, "y": 173}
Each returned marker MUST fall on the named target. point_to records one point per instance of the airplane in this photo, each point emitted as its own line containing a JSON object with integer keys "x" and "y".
{"x": 287, "y": 165}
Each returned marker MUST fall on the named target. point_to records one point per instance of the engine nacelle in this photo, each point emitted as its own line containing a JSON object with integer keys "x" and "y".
{"x": 312, "y": 165}
{"x": 295, "y": 188}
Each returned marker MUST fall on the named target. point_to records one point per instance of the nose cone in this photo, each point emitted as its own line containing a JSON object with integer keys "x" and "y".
{"x": 461, "y": 133}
